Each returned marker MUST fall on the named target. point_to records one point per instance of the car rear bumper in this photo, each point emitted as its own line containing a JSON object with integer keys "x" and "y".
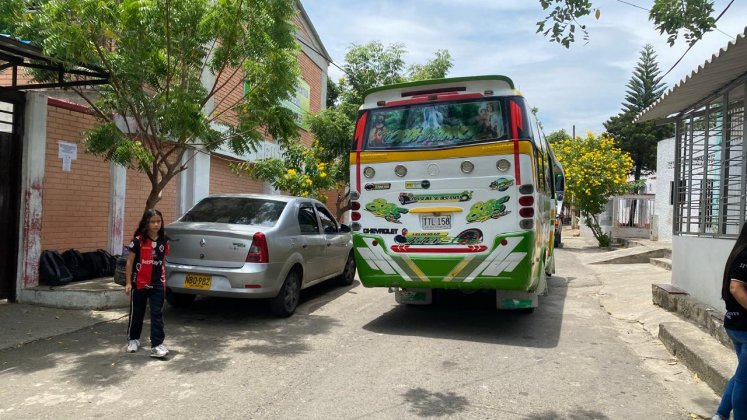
{"x": 250, "y": 281}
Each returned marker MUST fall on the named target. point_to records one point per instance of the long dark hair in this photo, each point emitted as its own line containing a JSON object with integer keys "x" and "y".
{"x": 739, "y": 246}
{"x": 142, "y": 228}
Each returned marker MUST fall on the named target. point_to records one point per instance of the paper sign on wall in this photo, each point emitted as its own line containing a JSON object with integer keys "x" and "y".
{"x": 68, "y": 152}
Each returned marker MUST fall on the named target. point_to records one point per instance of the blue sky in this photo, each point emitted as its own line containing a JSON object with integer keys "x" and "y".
{"x": 581, "y": 86}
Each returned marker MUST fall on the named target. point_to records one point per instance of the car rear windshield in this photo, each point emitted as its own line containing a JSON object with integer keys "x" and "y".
{"x": 236, "y": 210}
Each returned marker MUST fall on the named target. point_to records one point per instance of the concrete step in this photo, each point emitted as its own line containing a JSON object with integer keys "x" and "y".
{"x": 662, "y": 262}
{"x": 100, "y": 293}
{"x": 700, "y": 352}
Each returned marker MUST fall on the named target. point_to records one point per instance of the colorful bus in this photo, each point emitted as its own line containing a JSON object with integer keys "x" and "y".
{"x": 453, "y": 186}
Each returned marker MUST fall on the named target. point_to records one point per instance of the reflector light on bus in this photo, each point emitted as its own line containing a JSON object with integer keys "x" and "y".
{"x": 354, "y": 195}
{"x": 369, "y": 172}
{"x": 355, "y": 216}
{"x": 355, "y": 205}
{"x": 503, "y": 165}
{"x": 526, "y": 200}
{"x": 526, "y": 224}
{"x": 467, "y": 166}
{"x": 400, "y": 171}
{"x": 526, "y": 212}
{"x": 356, "y": 227}
{"x": 526, "y": 189}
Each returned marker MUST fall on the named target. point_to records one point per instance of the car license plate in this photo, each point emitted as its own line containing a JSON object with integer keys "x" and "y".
{"x": 198, "y": 281}
{"x": 435, "y": 222}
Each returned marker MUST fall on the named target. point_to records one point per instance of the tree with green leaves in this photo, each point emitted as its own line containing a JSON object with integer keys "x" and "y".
{"x": 156, "y": 53}
{"x": 595, "y": 170}
{"x": 366, "y": 66}
{"x": 557, "y": 136}
{"x": 691, "y": 18}
{"x": 640, "y": 140}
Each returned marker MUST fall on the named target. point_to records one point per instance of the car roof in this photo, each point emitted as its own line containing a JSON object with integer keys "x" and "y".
{"x": 273, "y": 197}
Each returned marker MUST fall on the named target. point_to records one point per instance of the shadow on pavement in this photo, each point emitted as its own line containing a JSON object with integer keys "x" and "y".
{"x": 201, "y": 337}
{"x": 474, "y": 317}
{"x": 424, "y": 403}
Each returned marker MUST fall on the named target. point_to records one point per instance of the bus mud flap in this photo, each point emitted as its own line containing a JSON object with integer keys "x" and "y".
{"x": 510, "y": 299}
{"x": 414, "y": 296}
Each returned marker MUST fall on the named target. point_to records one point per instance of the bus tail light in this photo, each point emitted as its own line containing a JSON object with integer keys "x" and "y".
{"x": 355, "y": 216}
{"x": 526, "y": 200}
{"x": 355, "y": 205}
{"x": 258, "y": 250}
{"x": 526, "y": 211}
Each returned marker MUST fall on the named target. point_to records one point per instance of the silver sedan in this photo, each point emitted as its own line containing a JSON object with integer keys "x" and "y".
{"x": 256, "y": 246}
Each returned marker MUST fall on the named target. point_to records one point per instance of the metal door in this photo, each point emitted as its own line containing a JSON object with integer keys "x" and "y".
{"x": 11, "y": 113}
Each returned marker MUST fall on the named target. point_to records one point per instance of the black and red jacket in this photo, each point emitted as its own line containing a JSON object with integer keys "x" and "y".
{"x": 150, "y": 258}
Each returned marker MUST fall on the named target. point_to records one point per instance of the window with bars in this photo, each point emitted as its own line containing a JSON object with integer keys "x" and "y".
{"x": 711, "y": 167}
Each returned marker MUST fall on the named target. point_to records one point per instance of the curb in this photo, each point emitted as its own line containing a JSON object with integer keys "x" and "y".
{"x": 712, "y": 362}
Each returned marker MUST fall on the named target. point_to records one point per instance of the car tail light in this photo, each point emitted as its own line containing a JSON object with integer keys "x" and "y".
{"x": 258, "y": 251}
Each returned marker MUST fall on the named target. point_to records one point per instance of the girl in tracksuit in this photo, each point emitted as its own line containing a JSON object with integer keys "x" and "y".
{"x": 734, "y": 292}
{"x": 145, "y": 282}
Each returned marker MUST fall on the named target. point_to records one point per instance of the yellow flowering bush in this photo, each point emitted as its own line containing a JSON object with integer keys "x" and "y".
{"x": 301, "y": 171}
{"x": 595, "y": 170}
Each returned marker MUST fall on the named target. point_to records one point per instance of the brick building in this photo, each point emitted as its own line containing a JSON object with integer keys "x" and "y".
{"x": 57, "y": 197}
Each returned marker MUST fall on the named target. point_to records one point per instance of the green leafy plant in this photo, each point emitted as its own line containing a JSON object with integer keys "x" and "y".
{"x": 157, "y": 54}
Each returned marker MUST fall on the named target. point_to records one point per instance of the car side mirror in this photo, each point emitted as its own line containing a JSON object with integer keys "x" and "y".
{"x": 344, "y": 228}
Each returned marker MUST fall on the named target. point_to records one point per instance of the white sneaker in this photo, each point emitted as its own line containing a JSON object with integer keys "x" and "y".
{"x": 132, "y": 346}
{"x": 159, "y": 351}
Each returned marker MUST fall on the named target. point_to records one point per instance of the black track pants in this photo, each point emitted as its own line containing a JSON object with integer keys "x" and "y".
{"x": 154, "y": 297}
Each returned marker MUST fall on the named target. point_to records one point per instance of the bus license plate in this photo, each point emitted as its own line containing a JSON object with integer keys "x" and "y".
{"x": 435, "y": 222}
{"x": 197, "y": 281}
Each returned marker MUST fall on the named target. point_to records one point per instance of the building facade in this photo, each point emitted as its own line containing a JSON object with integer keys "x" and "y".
{"x": 68, "y": 199}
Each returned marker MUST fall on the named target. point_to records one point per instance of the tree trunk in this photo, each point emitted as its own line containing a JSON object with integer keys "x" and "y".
{"x": 153, "y": 198}
{"x": 343, "y": 203}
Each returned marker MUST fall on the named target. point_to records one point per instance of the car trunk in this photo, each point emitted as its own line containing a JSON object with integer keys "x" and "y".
{"x": 210, "y": 244}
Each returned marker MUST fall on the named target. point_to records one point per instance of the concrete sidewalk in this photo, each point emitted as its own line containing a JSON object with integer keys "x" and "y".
{"x": 23, "y": 323}
{"x": 628, "y": 293}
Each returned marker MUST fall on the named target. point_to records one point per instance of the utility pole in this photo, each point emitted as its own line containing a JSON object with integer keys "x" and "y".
{"x": 574, "y": 219}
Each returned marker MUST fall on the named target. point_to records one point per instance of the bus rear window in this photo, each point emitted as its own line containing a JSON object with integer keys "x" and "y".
{"x": 436, "y": 125}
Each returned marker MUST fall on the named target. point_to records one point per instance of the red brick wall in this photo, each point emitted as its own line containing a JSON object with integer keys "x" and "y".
{"x": 76, "y": 203}
{"x": 225, "y": 181}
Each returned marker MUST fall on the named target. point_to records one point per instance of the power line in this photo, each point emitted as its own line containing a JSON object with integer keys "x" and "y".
{"x": 693, "y": 44}
{"x": 318, "y": 52}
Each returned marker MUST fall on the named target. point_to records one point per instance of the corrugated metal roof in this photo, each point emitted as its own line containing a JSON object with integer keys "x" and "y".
{"x": 723, "y": 68}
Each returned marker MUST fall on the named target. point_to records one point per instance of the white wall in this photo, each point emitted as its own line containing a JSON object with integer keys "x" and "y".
{"x": 698, "y": 267}
{"x": 663, "y": 187}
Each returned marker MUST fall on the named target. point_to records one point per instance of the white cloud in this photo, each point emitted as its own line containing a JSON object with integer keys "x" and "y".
{"x": 581, "y": 86}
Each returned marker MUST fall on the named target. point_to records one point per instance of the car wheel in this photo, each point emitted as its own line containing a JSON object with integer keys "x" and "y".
{"x": 179, "y": 300}
{"x": 284, "y": 304}
{"x": 348, "y": 274}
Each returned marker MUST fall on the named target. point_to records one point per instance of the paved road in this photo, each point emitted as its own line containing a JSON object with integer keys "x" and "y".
{"x": 353, "y": 353}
